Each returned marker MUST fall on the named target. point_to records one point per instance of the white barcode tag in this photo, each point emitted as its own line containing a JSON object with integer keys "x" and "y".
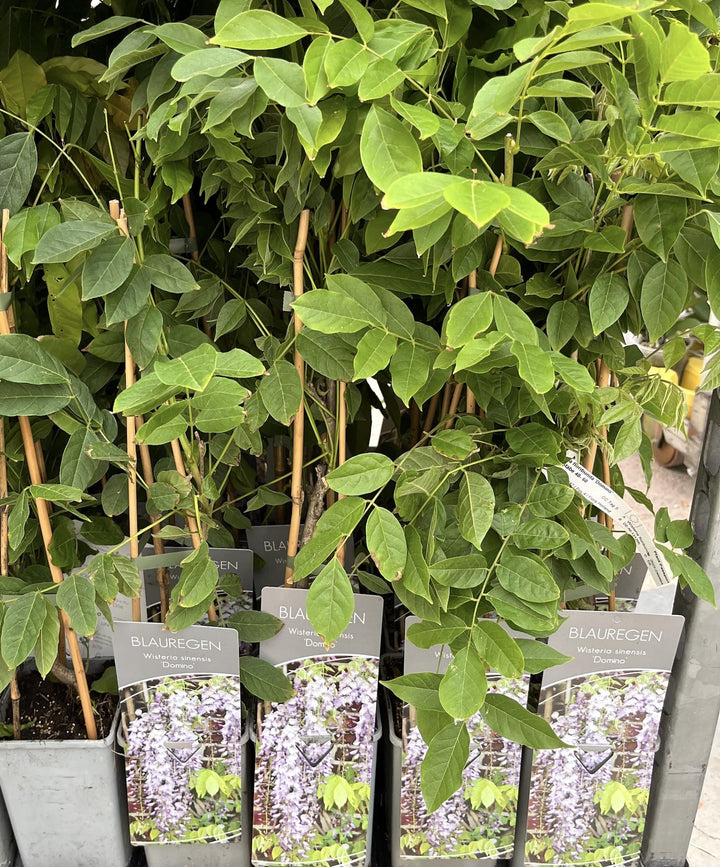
{"x": 600, "y": 495}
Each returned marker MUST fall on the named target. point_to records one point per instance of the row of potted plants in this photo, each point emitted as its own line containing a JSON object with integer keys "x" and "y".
{"x": 364, "y": 269}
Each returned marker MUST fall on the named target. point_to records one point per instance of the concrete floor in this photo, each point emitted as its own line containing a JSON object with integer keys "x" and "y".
{"x": 674, "y": 488}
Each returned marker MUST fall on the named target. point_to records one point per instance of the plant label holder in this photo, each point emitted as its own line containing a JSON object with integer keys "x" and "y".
{"x": 269, "y": 542}
{"x": 488, "y": 797}
{"x": 318, "y": 747}
{"x": 588, "y": 803}
{"x": 182, "y": 730}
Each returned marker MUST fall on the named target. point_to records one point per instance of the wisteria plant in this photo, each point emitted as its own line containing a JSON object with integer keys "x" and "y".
{"x": 480, "y": 200}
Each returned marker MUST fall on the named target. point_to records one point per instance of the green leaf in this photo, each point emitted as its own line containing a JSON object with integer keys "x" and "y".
{"x": 56, "y": 493}
{"x": 129, "y": 299}
{"x": 24, "y": 618}
{"x": 238, "y": 364}
{"x": 464, "y": 685}
{"x": 551, "y": 124}
{"x": 662, "y": 297}
{"x": 281, "y": 80}
{"x": 198, "y": 577}
{"x": 381, "y": 77}
{"x": 168, "y": 274}
{"x": 23, "y": 360}
{"x": 419, "y": 689}
{"x": 441, "y": 772}
{"x": 76, "y": 596}
{"x": 181, "y": 37}
{"x": 18, "y": 164}
{"x": 427, "y": 635}
{"x": 527, "y": 578}
{"x": 534, "y": 366}
{"x": 416, "y": 190}
{"x": 107, "y": 267}
{"x": 475, "y": 508}
{"x": 469, "y": 570}
{"x": 330, "y": 603}
{"x": 46, "y": 646}
{"x": 540, "y": 533}
{"x": 690, "y": 572}
{"x": 514, "y": 722}
{"x": 213, "y": 62}
{"x": 562, "y": 321}
{"x": 64, "y": 242}
{"x": 387, "y": 148}
{"x": 467, "y": 318}
{"x": 573, "y": 373}
{"x": 335, "y": 524}
{"x": 361, "y": 474}
{"x": 281, "y": 391}
{"x": 345, "y": 63}
{"x": 416, "y": 575}
{"x": 264, "y": 680}
{"x": 146, "y": 394}
{"x": 658, "y": 220}
{"x": 546, "y": 501}
{"x": 539, "y": 656}
{"x": 143, "y": 334}
{"x": 374, "y": 352}
{"x": 386, "y": 543}
{"x": 511, "y": 320}
{"x": 682, "y": 56}
{"x": 192, "y": 370}
{"x": 409, "y": 369}
{"x": 104, "y": 28}
{"x": 101, "y": 570}
{"x": 455, "y": 444}
{"x": 114, "y": 498}
{"x": 330, "y": 312}
{"x": 479, "y": 201}
{"x": 258, "y": 30}
{"x": 254, "y": 626}
{"x": 499, "y": 650}
{"x": 17, "y": 519}
{"x": 232, "y": 314}
{"x": 165, "y": 425}
{"x": 608, "y": 300}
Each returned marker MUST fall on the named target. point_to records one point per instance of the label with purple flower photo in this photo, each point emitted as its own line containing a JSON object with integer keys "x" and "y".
{"x": 182, "y": 721}
{"x": 478, "y": 822}
{"x": 314, "y": 759}
{"x": 588, "y": 803}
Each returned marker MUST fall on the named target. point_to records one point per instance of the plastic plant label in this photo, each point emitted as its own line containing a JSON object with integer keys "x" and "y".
{"x": 588, "y": 803}
{"x": 314, "y": 759}
{"x": 478, "y": 822}
{"x": 182, "y": 728}
{"x": 604, "y": 498}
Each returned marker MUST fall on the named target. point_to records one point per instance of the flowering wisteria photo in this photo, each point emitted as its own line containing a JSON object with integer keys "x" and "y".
{"x": 184, "y": 758}
{"x": 588, "y": 804}
{"x": 478, "y": 821}
{"x": 314, "y": 765}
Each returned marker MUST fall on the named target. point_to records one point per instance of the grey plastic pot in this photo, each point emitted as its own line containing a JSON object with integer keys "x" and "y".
{"x": 233, "y": 854}
{"x": 66, "y": 802}
{"x": 7, "y": 842}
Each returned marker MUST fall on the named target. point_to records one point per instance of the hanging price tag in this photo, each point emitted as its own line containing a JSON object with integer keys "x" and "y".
{"x": 600, "y": 495}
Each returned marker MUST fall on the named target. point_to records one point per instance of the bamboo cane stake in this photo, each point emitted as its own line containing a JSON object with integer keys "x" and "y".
{"x": 299, "y": 420}
{"x": 470, "y": 402}
{"x": 46, "y": 531}
{"x": 130, "y": 432}
{"x": 342, "y": 406}
{"x": 454, "y": 404}
{"x": 430, "y": 414}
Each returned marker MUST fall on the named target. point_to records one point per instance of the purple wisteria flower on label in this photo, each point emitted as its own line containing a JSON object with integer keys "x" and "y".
{"x": 588, "y": 805}
{"x": 478, "y": 821}
{"x": 183, "y": 759}
{"x": 314, "y": 765}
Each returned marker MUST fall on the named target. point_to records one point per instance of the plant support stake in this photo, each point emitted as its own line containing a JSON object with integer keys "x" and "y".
{"x": 47, "y": 533}
{"x": 299, "y": 420}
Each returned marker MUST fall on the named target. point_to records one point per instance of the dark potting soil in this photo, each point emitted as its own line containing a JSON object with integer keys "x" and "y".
{"x": 50, "y": 710}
